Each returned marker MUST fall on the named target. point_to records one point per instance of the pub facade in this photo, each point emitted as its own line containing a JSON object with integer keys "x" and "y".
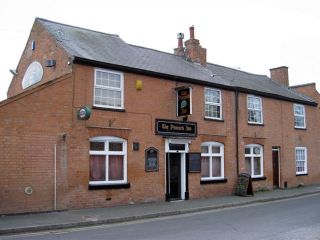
{"x": 100, "y": 123}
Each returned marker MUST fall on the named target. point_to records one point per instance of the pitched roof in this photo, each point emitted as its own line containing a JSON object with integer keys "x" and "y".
{"x": 109, "y": 49}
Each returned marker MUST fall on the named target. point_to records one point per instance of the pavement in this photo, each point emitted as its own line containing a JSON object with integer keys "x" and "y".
{"x": 23, "y": 223}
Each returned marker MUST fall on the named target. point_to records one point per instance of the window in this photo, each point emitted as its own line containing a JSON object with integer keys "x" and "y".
{"x": 213, "y": 105}
{"x": 108, "y": 160}
{"x": 212, "y": 161}
{"x": 254, "y": 105}
{"x": 108, "y": 89}
{"x": 254, "y": 160}
{"x": 299, "y": 116}
{"x": 301, "y": 160}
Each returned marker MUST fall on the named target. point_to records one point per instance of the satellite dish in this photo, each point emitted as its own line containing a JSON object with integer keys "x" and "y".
{"x": 33, "y": 75}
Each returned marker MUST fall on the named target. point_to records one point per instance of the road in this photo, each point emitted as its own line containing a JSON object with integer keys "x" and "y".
{"x": 292, "y": 219}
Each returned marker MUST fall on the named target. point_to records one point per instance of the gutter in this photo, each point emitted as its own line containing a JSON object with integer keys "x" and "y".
{"x": 84, "y": 61}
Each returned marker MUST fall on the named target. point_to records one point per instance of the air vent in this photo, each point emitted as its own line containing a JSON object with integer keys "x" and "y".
{"x": 50, "y": 63}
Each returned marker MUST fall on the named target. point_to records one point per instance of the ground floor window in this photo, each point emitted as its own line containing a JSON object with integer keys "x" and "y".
{"x": 301, "y": 160}
{"x": 254, "y": 160}
{"x": 212, "y": 161}
{"x": 108, "y": 160}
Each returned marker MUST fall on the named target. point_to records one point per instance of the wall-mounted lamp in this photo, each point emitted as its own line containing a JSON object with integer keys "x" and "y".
{"x": 138, "y": 85}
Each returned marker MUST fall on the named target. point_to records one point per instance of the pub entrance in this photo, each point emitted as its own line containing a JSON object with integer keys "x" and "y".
{"x": 276, "y": 166}
{"x": 176, "y": 174}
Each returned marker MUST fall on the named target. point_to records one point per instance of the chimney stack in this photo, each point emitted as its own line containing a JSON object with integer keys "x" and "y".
{"x": 180, "y": 49}
{"x": 280, "y": 75}
{"x": 194, "y": 52}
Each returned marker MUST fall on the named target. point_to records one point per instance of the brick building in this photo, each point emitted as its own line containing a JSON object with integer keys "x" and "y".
{"x": 91, "y": 121}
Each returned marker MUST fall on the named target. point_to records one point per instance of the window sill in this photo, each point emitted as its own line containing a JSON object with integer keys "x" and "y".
{"x": 298, "y": 128}
{"x": 256, "y": 124}
{"x": 214, "y": 181}
{"x": 109, "y": 109}
{"x": 213, "y": 119}
{"x": 301, "y": 174}
{"x": 259, "y": 178}
{"x": 108, "y": 186}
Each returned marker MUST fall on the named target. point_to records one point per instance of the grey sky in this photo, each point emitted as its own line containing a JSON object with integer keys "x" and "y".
{"x": 250, "y": 35}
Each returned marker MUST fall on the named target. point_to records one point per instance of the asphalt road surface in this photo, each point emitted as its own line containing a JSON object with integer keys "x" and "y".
{"x": 287, "y": 219}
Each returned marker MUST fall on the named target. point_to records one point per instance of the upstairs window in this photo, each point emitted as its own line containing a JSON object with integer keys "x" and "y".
{"x": 212, "y": 161}
{"x": 213, "y": 105}
{"x": 108, "y": 89}
{"x": 301, "y": 160}
{"x": 254, "y": 160}
{"x": 254, "y": 105}
{"x": 299, "y": 116}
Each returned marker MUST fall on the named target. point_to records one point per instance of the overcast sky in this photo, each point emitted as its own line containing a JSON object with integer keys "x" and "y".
{"x": 251, "y": 35}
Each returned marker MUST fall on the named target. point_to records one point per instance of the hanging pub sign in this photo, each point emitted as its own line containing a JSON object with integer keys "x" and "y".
{"x": 176, "y": 128}
{"x": 184, "y": 101}
{"x": 84, "y": 113}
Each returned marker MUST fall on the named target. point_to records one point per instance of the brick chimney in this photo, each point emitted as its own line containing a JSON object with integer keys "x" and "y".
{"x": 180, "y": 49}
{"x": 280, "y": 75}
{"x": 194, "y": 51}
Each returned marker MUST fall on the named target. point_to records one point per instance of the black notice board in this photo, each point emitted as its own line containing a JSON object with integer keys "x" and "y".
{"x": 244, "y": 185}
{"x": 151, "y": 159}
{"x": 194, "y": 161}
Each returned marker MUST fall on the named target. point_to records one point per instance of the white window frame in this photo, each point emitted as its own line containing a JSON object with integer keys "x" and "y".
{"x": 121, "y": 89}
{"x": 106, "y": 153}
{"x": 210, "y": 155}
{"x": 212, "y": 103}
{"x": 305, "y": 160}
{"x": 251, "y": 155}
{"x": 299, "y": 115}
{"x": 253, "y": 109}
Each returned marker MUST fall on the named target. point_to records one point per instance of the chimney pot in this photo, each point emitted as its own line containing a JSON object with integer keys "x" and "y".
{"x": 191, "y": 32}
{"x": 179, "y": 51}
{"x": 180, "y": 37}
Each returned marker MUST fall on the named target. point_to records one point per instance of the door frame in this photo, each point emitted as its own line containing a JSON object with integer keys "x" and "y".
{"x": 277, "y": 149}
{"x": 184, "y": 194}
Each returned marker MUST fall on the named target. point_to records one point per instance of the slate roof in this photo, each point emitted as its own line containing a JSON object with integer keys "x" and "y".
{"x": 97, "y": 47}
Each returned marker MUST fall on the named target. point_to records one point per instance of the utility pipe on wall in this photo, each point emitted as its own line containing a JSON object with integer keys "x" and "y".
{"x": 237, "y": 129}
{"x": 55, "y": 177}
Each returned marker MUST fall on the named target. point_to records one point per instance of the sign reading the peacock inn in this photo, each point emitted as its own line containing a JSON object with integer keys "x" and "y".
{"x": 176, "y": 128}
{"x": 184, "y": 102}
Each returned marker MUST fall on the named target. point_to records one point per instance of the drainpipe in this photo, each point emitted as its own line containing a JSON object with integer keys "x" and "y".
{"x": 237, "y": 128}
{"x": 55, "y": 177}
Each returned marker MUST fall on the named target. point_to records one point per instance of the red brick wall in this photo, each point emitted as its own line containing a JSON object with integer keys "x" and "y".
{"x": 45, "y": 48}
{"x": 37, "y": 120}
{"x": 157, "y": 99}
{"x": 278, "y": 131}
{"x": 309, "y": 90}
{"x": 31, "y": 125}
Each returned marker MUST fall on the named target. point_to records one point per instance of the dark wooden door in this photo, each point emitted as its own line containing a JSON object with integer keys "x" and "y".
{"x": 275, "y": 164}
{"x": 174, "y": 176}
